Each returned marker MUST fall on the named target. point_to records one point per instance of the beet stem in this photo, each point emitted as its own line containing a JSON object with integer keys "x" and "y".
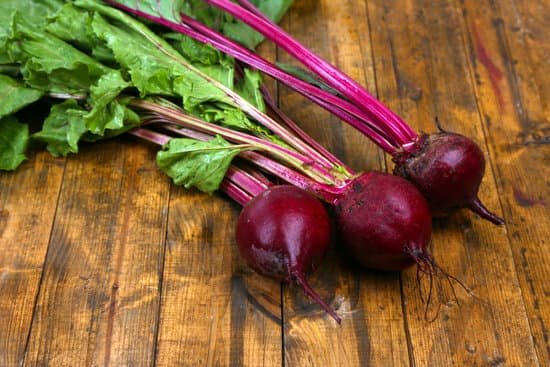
{"x": 291, "y": 125}
{"x": 325, "y": 192}
{"x": 235, "y": 192}
{"x": 300, "y": 279}
{"x": 245, "y": 180}
{"x": 477, "y": 207}
{"x": 150, "y": 136}
{"x": 334, "y": 77}
{"x": 342, "y": 108}
{"x": 177, "y": 116}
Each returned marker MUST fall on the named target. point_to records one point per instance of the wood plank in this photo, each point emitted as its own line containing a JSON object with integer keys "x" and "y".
{"x": 215, "y": 310}
{"x": 28, "y": 200}
{"x": 509, "y": 56}
{"x": 99, "y": 297}
{"x": 482, "y": 67}
{"x": 421, "y": 48}
{"x": 372, "y": 332}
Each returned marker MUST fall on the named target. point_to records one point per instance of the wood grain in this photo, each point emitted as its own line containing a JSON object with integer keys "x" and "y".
{"x": 99, "y": 296}
{"x": 27, "y": 208}
{"x": 209, "y": 315}
{"x": 513, "y": 99}
{"x": 104, "y": 262}
{"x": 489, "y": 328}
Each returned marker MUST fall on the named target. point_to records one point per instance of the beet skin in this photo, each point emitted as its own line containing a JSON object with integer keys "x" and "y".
{"x": 284, "y": 233}
{"x": 447, "y": 168}
{"x": 384, "y": 221}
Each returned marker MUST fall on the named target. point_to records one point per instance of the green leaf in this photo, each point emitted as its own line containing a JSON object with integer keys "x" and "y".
{"x": 150, "y": 69}
{"x": 63, "y": 128}
{"x": 14, "y": 95}
{"x": 36, "y": 14}
{"x": 197, "y": 52}
{"x": 156, "y": 68}
{"x": 193, "y": 163}
{"x": 49, "y": 63}
{"x": 249, "y": 88}
{"x": 106, "y": 113}
{"x": 14, "y": 137}
{"x": 74, "y": 25}
{"x": 205, "y": 58}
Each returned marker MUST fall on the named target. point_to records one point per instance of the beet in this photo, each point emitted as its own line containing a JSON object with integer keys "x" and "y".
{"x": 447, "y": 168}
{"x": 384, "y": 221}
{"x": 284, "y": 233}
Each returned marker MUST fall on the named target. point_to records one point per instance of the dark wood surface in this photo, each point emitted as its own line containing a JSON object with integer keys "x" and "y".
{"x": 104, "y": 262}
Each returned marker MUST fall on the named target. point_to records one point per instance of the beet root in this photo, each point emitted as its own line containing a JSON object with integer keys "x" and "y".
{"x": 384, "y": 221}
{"x": 447, "y": 168}
{"x": 284, "y": 233}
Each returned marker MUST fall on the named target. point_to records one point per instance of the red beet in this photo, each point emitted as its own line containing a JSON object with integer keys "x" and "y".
{"x": 386, "y": 224}
{"x": 284, "y": 233}
{"x": 384, "y": 221}
{"x": 447, "y": 168}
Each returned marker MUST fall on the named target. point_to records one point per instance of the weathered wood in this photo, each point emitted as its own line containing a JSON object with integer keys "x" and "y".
{"x": 422, "y": 51}
{"x": 209, "y": 314}
{"x": 99, "y": 296}
{"x": 509, "y": 47}
{"x": 372, "y": 332}
{"x": 28, "y": 200}
{"x": 139, "y": 272}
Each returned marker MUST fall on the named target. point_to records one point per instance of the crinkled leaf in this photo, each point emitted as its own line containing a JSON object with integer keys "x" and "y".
{"x": 14, "y": 95}
{"x": 14, "y": 137}
{"x": 131, "y": 119}
{"x": 73, "y": 25}
{"x": 168, "y": 9}
{"x": 50, "y": 63}
{"x": 199, "y": 164}
{"x": 249, "y": 88}
{"x": 106, "y": 112}
{"x": 68, "y": 123}
{"x": 154, "y": 66}
{"x": 149, "y": 68}
{"x": 36, "y": 14}
{"x": 63, "y": 128}
{"x": 205, "y": 58}
{"x": 197, "y": 52}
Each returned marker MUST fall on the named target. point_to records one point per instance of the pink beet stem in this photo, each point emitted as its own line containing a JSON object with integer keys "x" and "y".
{"x": 330, "y": 74}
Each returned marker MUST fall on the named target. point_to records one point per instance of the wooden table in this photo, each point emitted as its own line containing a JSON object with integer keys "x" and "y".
{"x": 104, "y": 262}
